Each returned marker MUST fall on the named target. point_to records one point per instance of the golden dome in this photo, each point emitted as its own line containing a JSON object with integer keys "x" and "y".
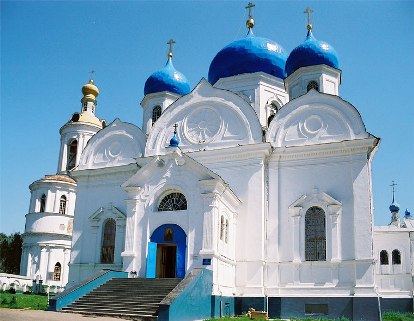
{"x": 90, "y": 90}
{"x": 250, "y": 23}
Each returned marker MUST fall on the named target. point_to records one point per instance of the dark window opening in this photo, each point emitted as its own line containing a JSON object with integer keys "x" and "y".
{"x": 57, "y": 271}
{"x": 384, "y": 257}
{"x": 396, "y": 257}
{"x": 42, "y": 203}
{"x": 108, "y": 242}
{"x": 73, "y": 149}
{"x": 156, "y": 113}
{"x": 316, "y": 309}
{"x": 312, "y": 85}
{"x": 173, "y": 202}
{"x": 62, "y": 205}
{"x": 315, "y": 236}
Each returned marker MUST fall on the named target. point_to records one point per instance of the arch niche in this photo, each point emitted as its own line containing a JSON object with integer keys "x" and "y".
{"x": 166, "y": 252}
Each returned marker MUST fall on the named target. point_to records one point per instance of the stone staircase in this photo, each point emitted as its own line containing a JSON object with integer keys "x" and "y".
{"x": 136, "y": 299}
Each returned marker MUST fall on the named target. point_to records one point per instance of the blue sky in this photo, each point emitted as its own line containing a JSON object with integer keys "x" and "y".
{"x": 48, "y": 49}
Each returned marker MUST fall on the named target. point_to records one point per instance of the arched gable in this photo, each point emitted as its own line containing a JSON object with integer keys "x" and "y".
{"x": 207, "y": 118}
{"x": 117, "y": 144}
{"x": 315, "y": 118}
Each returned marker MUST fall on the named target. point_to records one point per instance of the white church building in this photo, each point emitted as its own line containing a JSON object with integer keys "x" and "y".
{"x": 260, "y": 174}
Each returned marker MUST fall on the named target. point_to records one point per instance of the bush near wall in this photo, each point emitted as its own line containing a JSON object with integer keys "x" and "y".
{"x": 23, "y": 301}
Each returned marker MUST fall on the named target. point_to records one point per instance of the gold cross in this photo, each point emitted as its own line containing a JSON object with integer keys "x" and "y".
{"x": 308, "y": 11}
{"x": 250, "y": 6}
{"x": 171, "y": 42}
{"x": 91, "y": 74}
{"x": 175, "y": 128}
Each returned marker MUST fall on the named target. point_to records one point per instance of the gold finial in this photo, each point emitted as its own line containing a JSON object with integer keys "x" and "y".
{"x": 308, "y": 11}
{"x": 171, "y": 42}
{"x": 250, "y": 21}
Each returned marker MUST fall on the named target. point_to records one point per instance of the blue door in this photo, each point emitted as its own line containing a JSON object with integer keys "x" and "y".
{"x": 151, "y": 260}
{"x": 169, "y": 234}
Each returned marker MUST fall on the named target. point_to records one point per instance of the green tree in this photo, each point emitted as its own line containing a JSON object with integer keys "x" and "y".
{"x": 10, "y": 253}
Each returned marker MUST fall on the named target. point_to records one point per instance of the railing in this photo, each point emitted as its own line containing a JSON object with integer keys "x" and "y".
{"x": 63, "y": 299}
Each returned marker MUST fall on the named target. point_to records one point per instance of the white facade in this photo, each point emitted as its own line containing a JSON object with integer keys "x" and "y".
{"x": 270, "y": 188}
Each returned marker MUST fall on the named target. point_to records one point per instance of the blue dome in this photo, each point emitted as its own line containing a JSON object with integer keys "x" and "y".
{"x": 311, "y": 52}
{"x": 167, "y": 79}
{"x": 248, "y": 55}
{"x": 407, "y": 212}
{"x": 174, "y": 141}
{"x": 394, "y": 207}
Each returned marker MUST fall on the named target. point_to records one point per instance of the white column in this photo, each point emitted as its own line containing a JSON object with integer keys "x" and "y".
{"x": 65, "y": 267}
{"x": 335, "y": 239}
{"x": 210, "y": 225}
{"x": 43, "y": 263}
{"x": 296, "y": 238}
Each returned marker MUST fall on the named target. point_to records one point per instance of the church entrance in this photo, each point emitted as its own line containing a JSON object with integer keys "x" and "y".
{"x": 167, "y": 252}
{"x": 166, "y": 260}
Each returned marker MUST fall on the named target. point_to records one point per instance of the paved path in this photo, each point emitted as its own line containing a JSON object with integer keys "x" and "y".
{"x": 38, "y": 315}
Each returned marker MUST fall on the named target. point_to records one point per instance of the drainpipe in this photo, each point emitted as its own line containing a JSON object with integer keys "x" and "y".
{"x": 379, "y": 303}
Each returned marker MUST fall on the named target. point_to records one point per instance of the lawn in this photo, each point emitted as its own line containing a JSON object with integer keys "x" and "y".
{"x": 387, "y": 316}
{"x": 23, "y": 301}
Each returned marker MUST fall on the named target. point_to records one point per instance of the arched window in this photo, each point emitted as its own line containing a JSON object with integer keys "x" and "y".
{"x": 42, "y": 203}
{"x": 384, "y": 257}
{"x": 312, "y": 85}
{"x": 226, "y": 239}
{"x": 156, "y": 113}
{"x": 62, "y": 205}
{"x": 315, "y": 236}
{"x": 222, "y": 228}
{"x": 73, "y": 149}
{"x": 108, "y": 242}
{"x": 57, "y": 271}
{"x": 173, "y": 202}
{"x": 269, "y": 120}
{"x": 396, "y": 257}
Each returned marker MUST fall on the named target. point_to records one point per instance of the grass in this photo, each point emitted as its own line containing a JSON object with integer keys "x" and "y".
{"x": 387, "y": 316}
{"x": 23, "y": 301}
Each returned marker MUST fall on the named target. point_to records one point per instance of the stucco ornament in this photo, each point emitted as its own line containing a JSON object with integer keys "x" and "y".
{"x": 315, "y": 118}
{"x": 207, "y": 118}
{"x": 115, "y": 145}
{"x": 203, "y": 125}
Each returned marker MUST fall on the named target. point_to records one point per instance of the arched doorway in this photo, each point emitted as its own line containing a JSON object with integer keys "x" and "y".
{"x": 166, "y": 252}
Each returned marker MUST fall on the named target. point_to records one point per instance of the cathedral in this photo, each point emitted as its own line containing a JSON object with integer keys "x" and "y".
{"x": 260, "y": 174}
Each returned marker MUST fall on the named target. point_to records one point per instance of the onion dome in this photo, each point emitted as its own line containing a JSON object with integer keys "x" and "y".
{"x": 407, "y": 212}
{"x": 394, "y": 207}
{"x": 174, "y": 141}
{"x": 167, "y": 79}
{"x": 311, "y": 52}
{"x": 248, "y": 55}
{"x": 90, "y": 91}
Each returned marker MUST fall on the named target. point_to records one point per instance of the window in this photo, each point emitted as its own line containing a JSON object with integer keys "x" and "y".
{"x": 312, "y": 85}
{"x": 396, "y": 257}
{"x": 384, "y": 257}
{"x": 222, "y": 228}
{"x": 226, "y": 239}
{"x": 156, "y": 113}
{"x": 173, "y": 202}
{"x": 269, "y": 120}
{"x": 73, "y": 148}
{"x": 62, "y": 205}
{"x": 315, "y": 247}
{"x": 42, "y": 203}
{"x": 108, "y": 242}
{"x": 57, "y": 271}
{"x": 316, "y": 309}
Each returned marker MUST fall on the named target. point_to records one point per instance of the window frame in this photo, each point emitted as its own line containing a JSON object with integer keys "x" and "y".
{"x": 57, "y": 272}
{"x": 156, "y": 113}
{"x": 384, "y": 257}
{"x": 311, "y": 85}
{"x": 63, "y": 202}
{"x": 42, "y": 207}
{"x": 108, "y": 250}
{"x": 396, "y": 257}
{"x": 168, "y": 197}
{"x": 318, "y": 240}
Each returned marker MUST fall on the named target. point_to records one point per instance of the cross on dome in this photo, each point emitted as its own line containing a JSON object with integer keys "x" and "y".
{"x": 250, "y": 21}
{"x": 309, "y": 11}
{"x": 393, "y": 190}
{"x": 171, "y": 42}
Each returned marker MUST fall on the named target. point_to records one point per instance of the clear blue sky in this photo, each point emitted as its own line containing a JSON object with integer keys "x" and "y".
{"x": 48, "y": 49}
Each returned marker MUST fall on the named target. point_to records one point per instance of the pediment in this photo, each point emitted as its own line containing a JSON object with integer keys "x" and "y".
{"x": 315, "y": 198}
{"x": 117, "y": 144}
{"x": 315, "y": 118}
{"x": 207, "y": 118}
{"x": 163, "y": 167}
{"x": 100, "y": 212}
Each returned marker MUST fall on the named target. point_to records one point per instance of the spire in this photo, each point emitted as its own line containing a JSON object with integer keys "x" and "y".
{"x": 394, "y": 208}
{"x": 309, "y": 11}
{"x": 174, "y": 141}
{"x": 250, "y": 21}
{"x": 393, "y": 191}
